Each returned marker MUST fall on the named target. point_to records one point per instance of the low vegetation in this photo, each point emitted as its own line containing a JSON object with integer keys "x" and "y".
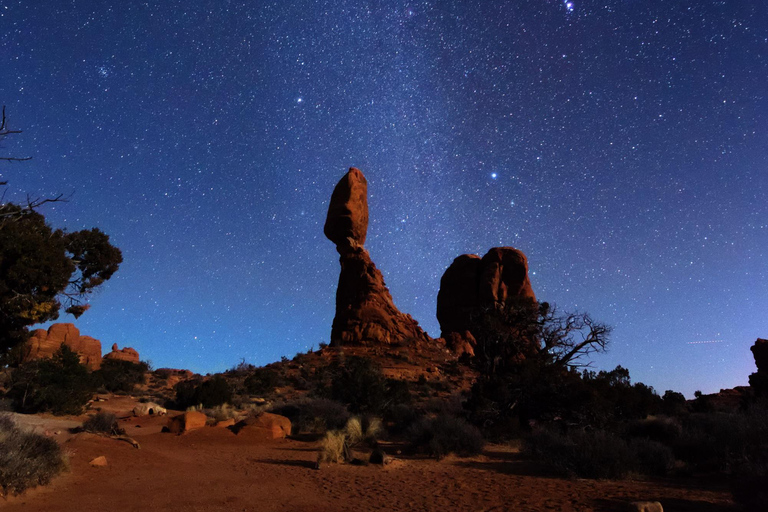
{"x": 445, "y": 434}
{"x": 26, "y": 459}
{"x": 116, "y": 376}
{"x": 103, "y": 423}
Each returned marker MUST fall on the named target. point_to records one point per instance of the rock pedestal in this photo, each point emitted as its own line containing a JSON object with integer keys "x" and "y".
{"x": 43, "y": 344}
{"x": 365, "y": 311}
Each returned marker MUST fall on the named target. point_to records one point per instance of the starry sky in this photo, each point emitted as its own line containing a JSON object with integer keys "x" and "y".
{"x": 620, "y": 144}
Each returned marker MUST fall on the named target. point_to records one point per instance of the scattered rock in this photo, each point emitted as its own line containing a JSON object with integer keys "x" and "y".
{"x": 472, "y": 283}
{"x": 226, "y": 423}
{"x": 265, "y": 426}
{"x": 99, "y": 461}
{"x": 43, "y": 344}
{"x": 645, "y": 506}
{"x": 365, "y": 311}
{"x": 379, "y": 457}
{"x": 149, "y": 409}
{"x": 186, "y": 422}
{"x": 124, "y": 354}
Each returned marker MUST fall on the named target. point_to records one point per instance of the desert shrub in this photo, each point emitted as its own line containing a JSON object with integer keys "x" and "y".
{"x": 595, "y": 454}
{"x": 261, "y": 381}
{"x": 399, "y": 417}
{"x": 26, "y": 459}
{"x": 222, "y": 412}
{"x": 661, "y": 429}
{"x": 103, "y": 422}
{"x": 313, "y": 416}
{"x": 445, "y": 434}
{"x": 60, "y": 384}
{"x": 210, "y": 393}
{"x": 653, "y": 457}
{"x": 120, "y": 376}
{"x": 358, "y": 383}
{"x": 333, "y": 447}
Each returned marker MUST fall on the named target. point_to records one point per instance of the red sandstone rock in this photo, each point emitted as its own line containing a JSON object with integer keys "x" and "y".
{"x": 188, "y": 421}
{"x": 348, "y": 210}
{"x": 43, "y": 344}
{"x": 758, "y": 381}
{"x": 124, "y": 354}
{"x": 365, "y": 312}
{"x": 471, "y": 283}
{"x": 265, "y": 426}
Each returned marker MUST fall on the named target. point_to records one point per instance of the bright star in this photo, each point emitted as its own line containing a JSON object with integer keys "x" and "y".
{"x": 299, "y": 100}
{"x": 494, "y": 175}
{"x": 569, "y": 6}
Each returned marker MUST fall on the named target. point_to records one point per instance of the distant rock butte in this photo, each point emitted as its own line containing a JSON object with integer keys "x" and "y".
{"x": 124, "y": 354}
{"x": 365, "y": 311}
{"x": 43, "y": 344}
{"x": 470, "y": 282}
{"x": 758, "y": 381}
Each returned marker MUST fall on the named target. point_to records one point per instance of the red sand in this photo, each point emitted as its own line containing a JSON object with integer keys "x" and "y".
{"x": 212, "y": 469}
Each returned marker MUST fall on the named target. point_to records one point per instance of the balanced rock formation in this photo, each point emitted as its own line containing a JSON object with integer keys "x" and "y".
{"x": 470, "y": 283}
{"x": 124, "y": 354}
{"x": 365, "y": 312}
{"x": 758, "y": 381}
{"x": 43, "y": 344}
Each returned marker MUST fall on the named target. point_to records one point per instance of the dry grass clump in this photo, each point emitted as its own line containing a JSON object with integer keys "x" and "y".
{"x": 26, "y": 459}
{"x": 337, "y": 444}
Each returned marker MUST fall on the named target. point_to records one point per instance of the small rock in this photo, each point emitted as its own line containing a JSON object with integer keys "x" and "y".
{"x": 99, "y": 461}
{"x": 645, "y": 506}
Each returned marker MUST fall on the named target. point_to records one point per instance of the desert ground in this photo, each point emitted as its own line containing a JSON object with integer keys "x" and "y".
{"x": 213, "y": 469}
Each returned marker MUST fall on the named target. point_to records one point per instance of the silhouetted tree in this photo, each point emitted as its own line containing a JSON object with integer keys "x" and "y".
{"x": 41, "y": 267}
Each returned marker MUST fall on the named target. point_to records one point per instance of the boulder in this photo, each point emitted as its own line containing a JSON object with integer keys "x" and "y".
{"x": 186, "y": 422}
{"x": 471, "y": 284}
{"x": 365, "y": 311}
{"x": 43, "y": 344}
{"x": 645, "y": 506}
{"x": 265, "y": 426}
{"x": 124, "y": 354}
{"x": 348, "y": 210}
{"x": 149, "y": 409}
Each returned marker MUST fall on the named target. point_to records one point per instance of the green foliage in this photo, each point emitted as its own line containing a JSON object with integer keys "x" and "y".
{"x": 445, "y": 434}
{"x": 120, "y": 376}
{"x": 210, "y": 393}
{"x": 104, "y": 423}
{"x": 60, "y": 385}
{"x": 26, "y": 459}
{"x": 39, "y": 266}
{"x": 261, "y": 381}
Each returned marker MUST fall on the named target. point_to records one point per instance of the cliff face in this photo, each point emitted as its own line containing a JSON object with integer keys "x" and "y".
{"x": 43, "y": 344}
{"x": 365, "y": 311}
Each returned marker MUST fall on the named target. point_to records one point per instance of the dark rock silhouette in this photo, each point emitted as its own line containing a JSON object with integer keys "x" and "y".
{"x": 758, "y": 381}
{"x": 365, "y": 312}
{"x": 43, "y": 344}
{"x": 471, "y": 283}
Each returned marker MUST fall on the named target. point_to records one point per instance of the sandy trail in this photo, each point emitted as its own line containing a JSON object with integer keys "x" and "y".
{"x": 214, "y": 470}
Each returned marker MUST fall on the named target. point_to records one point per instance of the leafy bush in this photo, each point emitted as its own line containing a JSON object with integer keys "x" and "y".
{"x": 359, "y": 383}
{"x": 26, "y": 459}
{"x": 120, "y": 376}
{"x": 446, "y": 434}
{"x": 60, "y": 385}
{"x": 103, "y": 422}
{"x": 262, "y": 381}
{"x": 660, "y": 429}
{"x": 313, "y": 416}
{"x": 210, "y": 393}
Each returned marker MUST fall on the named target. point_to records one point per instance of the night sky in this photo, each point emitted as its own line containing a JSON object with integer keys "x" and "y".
{"x": 622, "y": 145}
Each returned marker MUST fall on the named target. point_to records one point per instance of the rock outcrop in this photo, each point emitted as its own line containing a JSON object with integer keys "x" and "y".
{"x": 265, "y": 426}
{"x": 43, "y": 344}
{"x": 124, "y": 354}
{"x": 365, "y": 312}
{"x": 758, "y": 381}
{"x": 471, "y": 283}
